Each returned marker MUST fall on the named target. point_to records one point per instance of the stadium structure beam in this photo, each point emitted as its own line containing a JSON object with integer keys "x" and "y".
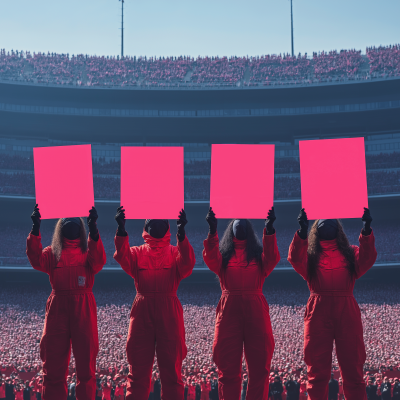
{"x": 122, "y": 28}
{"x": 291, "y": 17}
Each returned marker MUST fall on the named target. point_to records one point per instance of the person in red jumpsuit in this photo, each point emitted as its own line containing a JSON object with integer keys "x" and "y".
{"x": 330, "y": 265}
{"x": 242, "y": 264}
{"x": 156, "y": 319}
{"x": 71, "y": 262}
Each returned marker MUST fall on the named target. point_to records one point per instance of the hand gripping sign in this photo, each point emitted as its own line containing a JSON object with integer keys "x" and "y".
{"x": 333, "y": 178}
{"x": 63, "y": 180}
{"x": 152, "y": 182}
{"x": 242, "y": 180}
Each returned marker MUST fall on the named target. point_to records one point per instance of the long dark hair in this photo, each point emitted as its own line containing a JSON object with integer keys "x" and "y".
{"x": 227, "y": 247}
{"x": 56, "y": 243}
{"x": 315, "y": 249}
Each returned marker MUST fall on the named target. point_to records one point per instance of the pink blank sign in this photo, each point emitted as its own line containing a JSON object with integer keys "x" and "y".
{"x": 242, "y": 180}
{"x": 152, "y": 182}
{"x": 64, "y": 181}
{"x": 333, "y": 178}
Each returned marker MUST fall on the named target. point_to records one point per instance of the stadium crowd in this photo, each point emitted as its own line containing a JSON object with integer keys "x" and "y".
{"x": 22, "y": 315}
{"x": 384, "y": 61}
{"x": 110, "y": 71}
{"x": 344, "y": 64}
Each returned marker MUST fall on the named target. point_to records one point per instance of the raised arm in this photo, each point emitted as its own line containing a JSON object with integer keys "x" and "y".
{"x": 96, "y": 254}
{"x": 270, "y": 255}
{"x": 365, "y": 254}
{"x": 185, "y": 258}
{"x": 125, "y": 256}
{"x": 298, "y": 248}
{"x": 96, "y": 257}
{"x": 39, "y": 259}
{"x": 211, "y": 254}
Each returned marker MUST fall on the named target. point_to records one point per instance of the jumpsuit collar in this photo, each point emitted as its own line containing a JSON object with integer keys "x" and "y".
{"x": 329, "y": 245}
{"x": 153, "y": 242}
{"x": 239, "y": 244}
{"x": 67, "y": 243}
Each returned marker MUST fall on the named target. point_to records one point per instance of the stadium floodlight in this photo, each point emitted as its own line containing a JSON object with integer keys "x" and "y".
{"x": 122, "y": 28}
{"x": 291, "y": 17}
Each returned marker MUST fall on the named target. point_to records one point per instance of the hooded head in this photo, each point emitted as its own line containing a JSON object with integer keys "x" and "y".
{"x": 327, "y": 229}
{"x": 243, "y": 230}
{"x": 156, "y": 228}
{"x": 71, "y": 228}
{"x": 239, "y": 228}
{"x": 68, "y": 228}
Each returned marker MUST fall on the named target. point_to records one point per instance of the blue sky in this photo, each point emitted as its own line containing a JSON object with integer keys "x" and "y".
{"x": 193, "y": 27}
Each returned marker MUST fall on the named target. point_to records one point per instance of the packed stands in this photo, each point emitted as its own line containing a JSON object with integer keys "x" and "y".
{"x": 268, "y": 68}
{"x": 186, "y": 71}
{"x": 384, "y": 61}
{"x": 215, "y": 71}
{"x": 343, "y": 64}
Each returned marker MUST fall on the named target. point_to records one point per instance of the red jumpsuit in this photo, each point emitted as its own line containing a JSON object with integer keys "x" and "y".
{"x": 332, "y": 314}
{"x": 242, "y": 317}
{"x": 71, "y": 315}
{"x": 156, "y": 319}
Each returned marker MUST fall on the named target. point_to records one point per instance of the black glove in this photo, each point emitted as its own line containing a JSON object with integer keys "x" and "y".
{"x": 269, "y": 222}
{"x": 212, "y": 221}
{"x": 91, "y": 221}
{"x": 120, "y": 218}
{"x": 303, "y": 222}
{"x": 181, "y": 222}
{"x": 366, "y": 219}
{"x": 36, "y": 219}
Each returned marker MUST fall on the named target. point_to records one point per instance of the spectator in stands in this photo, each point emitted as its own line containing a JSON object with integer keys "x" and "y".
{"x": 242, "y": 265}
{"x": 372, "y": 390}
{"x": 276, "y": 388}
{"x": 2, "y": 389}
{"x": 386, "y": 389}
{"x": 396, "y": 389}
{"x": 333, "y": 388}
{"x": 291, "y": 387}
{"x": 332, "y": 312}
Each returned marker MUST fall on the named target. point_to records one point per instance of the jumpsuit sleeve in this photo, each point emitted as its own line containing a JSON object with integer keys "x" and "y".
{"x": 270, "y": 255}
{"x": 185, "y": 258}
{"x": 39, "y": 259}
{"x": 96, "y": 256}
{"x": 126, "y": 256}
{"x": 211, "y": 254}
{"x": 298, "y": 255}
{"x": 366, "y": 254}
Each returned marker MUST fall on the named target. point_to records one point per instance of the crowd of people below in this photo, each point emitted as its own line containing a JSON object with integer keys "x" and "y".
{"x": 128, "y": 71}
{"x": 22, "y": 315}
{"x": 13, "y": 248}
{"x": 286, "y": 385}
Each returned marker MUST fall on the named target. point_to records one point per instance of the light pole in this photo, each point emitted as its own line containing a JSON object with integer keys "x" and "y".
{"x": 122, "y": 29}
{"x": 291, "y": 17}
